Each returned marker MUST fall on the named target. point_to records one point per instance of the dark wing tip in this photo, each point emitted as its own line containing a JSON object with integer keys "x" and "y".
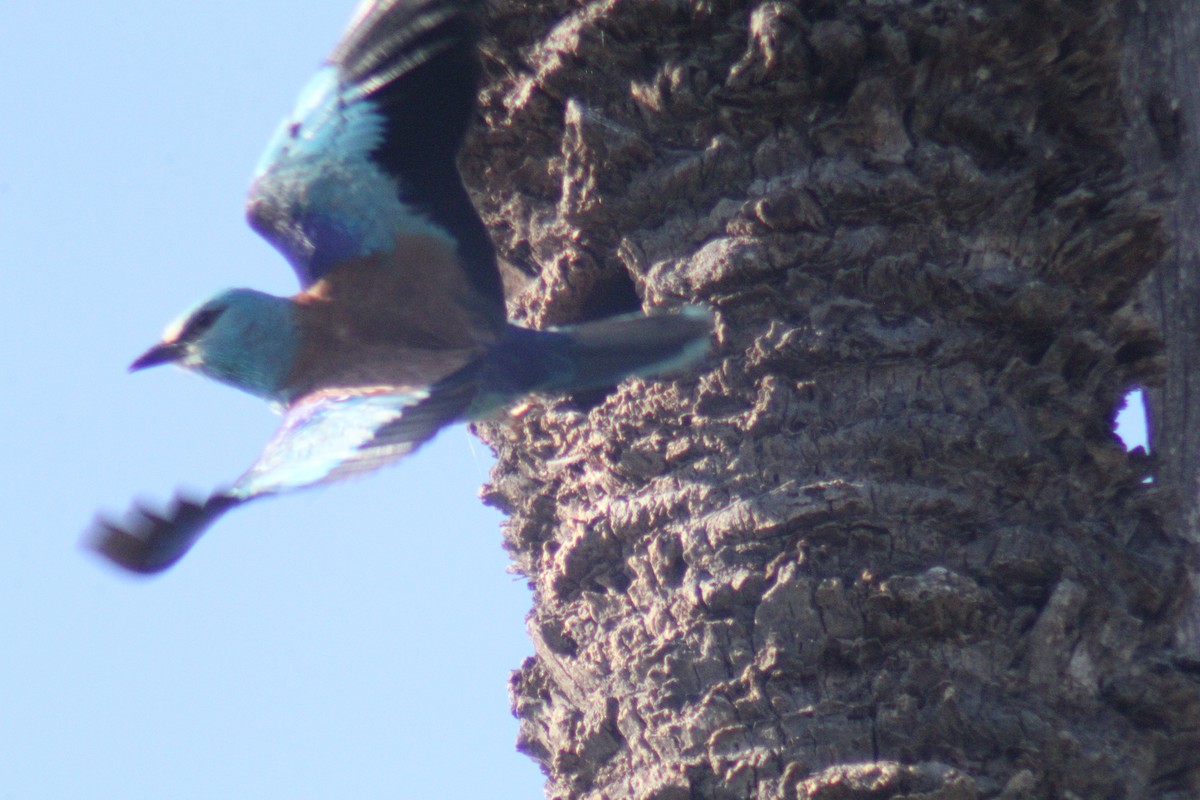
{"x": 419, "y": 62}
{"x": 151, "y": 542}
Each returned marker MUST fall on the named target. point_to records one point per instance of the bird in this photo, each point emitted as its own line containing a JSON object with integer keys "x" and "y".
{"x": 399, "y": 327}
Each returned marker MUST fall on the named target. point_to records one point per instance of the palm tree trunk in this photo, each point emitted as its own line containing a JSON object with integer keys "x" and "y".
{"x": 1161, "y": 62}
{"x": 883, "y": 542}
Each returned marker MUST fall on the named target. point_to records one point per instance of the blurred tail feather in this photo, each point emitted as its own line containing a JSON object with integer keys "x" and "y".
{"x": 590, "y": 355}
{"x": 604, "y": 352}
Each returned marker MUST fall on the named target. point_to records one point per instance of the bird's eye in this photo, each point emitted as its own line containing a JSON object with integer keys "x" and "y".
{"x": 201, "y": 322}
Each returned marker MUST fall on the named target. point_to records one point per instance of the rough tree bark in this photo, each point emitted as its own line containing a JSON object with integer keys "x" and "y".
{"x": 883, "y": 543}
{"x": 1162, "y": 66}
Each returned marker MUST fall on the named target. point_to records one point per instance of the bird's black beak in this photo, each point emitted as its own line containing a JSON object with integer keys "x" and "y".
{"x": 161, "y": 353}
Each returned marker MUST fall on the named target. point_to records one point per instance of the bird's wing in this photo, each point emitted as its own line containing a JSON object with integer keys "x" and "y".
{"x": 324, "y": 437}
{"x": 368, "y": 154}
{"x": 336, "y": 433}
{"x": 150, "y": 542}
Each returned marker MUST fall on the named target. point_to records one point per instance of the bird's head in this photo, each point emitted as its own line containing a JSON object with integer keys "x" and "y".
{"x": 242, "y": 337}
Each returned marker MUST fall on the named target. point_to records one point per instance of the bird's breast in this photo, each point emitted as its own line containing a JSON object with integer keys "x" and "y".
{"x": 407, "y": 318}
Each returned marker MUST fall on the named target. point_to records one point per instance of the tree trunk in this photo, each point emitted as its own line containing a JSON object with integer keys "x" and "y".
{"x": 883, "y": 542}
{"x": 1162, "y": 62}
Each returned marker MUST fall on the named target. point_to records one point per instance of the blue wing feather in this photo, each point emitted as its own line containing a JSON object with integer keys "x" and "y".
{"x": 319, "y": 198}
{"x": 369, "y": 152}
{"x": 340, "y": 433}
{"x": 324, "y": 437}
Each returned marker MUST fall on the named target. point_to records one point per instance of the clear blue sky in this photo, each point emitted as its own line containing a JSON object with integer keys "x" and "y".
{"x": 347, "y": 643}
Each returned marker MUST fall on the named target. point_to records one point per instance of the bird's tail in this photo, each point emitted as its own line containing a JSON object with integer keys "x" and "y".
{"x": 592, "y": 354}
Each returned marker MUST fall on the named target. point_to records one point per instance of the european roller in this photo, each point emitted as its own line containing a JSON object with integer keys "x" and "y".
{"x": 399, "y": 328}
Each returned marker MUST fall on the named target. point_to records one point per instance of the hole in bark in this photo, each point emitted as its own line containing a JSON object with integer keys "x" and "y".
{"x": 1130, "y": 421}
{"x": 613, "y": 294}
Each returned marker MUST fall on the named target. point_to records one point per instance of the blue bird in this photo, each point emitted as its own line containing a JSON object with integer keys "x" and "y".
{"x": 399, "y": 328}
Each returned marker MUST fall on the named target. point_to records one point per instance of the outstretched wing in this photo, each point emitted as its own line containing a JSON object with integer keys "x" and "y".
{"x": 325, "y": 437}
{"x": 368, "y": 154}
{"x": 338, "y": 433}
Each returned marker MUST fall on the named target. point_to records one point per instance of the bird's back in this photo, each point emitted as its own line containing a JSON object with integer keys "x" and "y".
{"x": 402, "y": 318}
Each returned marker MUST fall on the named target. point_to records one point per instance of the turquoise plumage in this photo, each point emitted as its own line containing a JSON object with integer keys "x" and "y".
{"x": 399, "y": 328}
